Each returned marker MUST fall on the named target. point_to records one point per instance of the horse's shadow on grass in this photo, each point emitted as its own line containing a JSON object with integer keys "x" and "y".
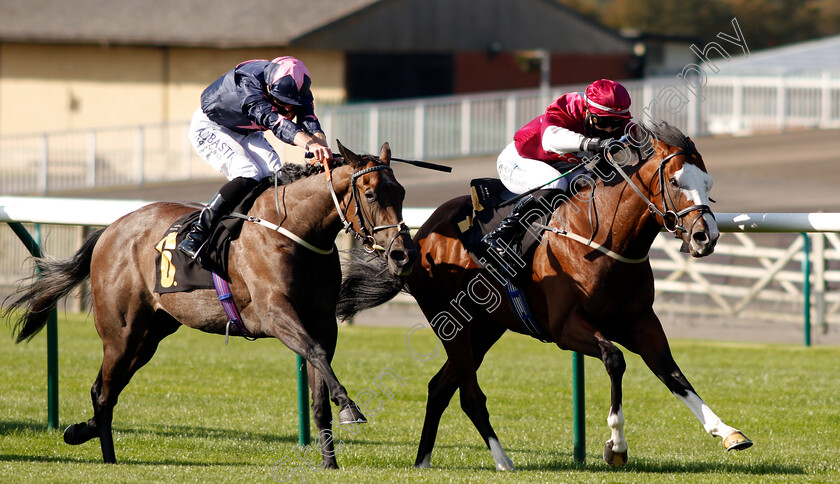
{"x": 170, "y": 431}
{"x": 641, "y": 465}
{"x": 123, "y": 461}
{"x": 565, "y": 462}
{"x": 162, "y": 431}
{"x": 176, "y": 431}
{"x": 7, "y": 427}
{"x": 596, "y": 464}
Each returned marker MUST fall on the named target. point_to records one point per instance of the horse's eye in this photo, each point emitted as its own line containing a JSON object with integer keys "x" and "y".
{"x": 673, "y": 182}
{"x": 370, "y": 196}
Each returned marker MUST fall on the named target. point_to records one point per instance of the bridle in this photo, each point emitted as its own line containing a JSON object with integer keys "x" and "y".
{"x": 670, "y": 216}
{"x": 367, "y": 229}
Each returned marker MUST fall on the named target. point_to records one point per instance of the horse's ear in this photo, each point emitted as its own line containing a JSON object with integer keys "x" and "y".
{"x": 385, "y": 153}
{"x": 348, "y": 155}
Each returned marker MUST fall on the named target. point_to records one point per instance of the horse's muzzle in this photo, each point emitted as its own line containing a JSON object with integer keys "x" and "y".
{"x": 401, "y": 260}
{"x": 703, "y": 236}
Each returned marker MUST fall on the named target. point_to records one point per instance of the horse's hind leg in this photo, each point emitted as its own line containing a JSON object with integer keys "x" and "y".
{"x": 650, "y": 343}
{"x": 441, "y": 389}
{"x": 123, "y": 356}
{"x": 460, "y": 371}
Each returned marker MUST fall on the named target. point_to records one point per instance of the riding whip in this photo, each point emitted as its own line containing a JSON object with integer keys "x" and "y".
{"x": 421, "y": 164}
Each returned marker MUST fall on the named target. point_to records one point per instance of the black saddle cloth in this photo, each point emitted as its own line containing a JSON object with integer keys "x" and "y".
{"x": 177, "y": 272}
{"x": 484, "y": 214}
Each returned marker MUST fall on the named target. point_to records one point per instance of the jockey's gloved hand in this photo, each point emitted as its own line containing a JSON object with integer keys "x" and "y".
{"x": 596, "y": 145}
{"x": 599, "y": 145}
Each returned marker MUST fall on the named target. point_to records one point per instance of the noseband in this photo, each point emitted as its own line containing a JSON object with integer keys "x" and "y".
{"x": 366, "y": 234}
{"x": 670, "y": 216}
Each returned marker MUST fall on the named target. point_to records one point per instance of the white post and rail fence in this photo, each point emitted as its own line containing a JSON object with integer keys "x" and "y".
{"x": 787, "y": 280}
{"x": 423, "y": 129}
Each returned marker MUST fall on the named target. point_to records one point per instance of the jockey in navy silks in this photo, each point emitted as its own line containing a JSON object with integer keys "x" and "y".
{"x": 227, "y": 132}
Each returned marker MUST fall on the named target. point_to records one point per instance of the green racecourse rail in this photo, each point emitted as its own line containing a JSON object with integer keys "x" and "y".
{"x": 99, "y": 213}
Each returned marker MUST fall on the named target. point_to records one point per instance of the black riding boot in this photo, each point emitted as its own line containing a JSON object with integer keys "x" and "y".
{"x": 210, "y": 214}
{"x": 222, "y": 203}
{"x": 508, "y": 234}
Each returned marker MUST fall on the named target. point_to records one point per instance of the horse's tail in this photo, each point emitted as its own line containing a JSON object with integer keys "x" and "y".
{"x": 54, "y": 280}
{"x": 366, "y": 283}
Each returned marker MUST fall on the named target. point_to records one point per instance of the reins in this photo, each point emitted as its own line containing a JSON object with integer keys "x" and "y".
{"x": 366, "y": 235}
{"x": 670, "y": 216}
{"x": 367, "y": 229}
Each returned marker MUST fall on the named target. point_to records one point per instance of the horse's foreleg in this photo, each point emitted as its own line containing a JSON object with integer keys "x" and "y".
{"x": 581, "y": 336}
{"x": 322, "y": 415}
{"x": 733, "y": 439}
{"x": 615, "y": 450}
{"x": 318, "y": 357}
{"x": 318, "y": 351}
{"x": 653, "y": 347}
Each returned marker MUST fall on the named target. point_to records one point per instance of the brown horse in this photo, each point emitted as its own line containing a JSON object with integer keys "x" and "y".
{"x": 590, "y": 284}
{"x": 282, "y": 288}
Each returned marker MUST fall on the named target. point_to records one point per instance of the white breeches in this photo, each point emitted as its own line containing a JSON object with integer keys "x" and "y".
{"x": 231, "y": 153}
{"x": 522, "y": 174}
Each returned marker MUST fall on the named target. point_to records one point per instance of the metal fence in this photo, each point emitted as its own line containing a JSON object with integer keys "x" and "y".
{"x": 752, "y": 276}
{"x": 757, "y": 276}
{"x": 432, "y": 128}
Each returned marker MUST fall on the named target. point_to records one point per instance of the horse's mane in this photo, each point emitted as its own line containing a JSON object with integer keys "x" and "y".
{"x": 637, "y": 156}
{"x": 290, "y": 172}
{"x": 671, "y": 135}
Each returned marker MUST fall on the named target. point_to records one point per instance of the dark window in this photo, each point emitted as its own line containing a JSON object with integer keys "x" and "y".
{"x": 395, "y": 76}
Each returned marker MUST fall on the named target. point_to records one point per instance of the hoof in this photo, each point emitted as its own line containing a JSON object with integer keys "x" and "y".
{"x": 351, "y": 414}
{"x": 614, "y": 459}
{"x": 78, "y": 433}
{"x": 737, "y": 441}
{"x": 506, "y": 467}
{"x": 425, "y": 463}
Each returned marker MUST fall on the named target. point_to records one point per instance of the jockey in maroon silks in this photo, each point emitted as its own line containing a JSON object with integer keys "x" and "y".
{"x": 576, "y": 125}
{"x": 227, "y": 132}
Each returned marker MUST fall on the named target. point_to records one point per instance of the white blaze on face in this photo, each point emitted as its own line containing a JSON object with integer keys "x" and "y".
{"x": 695, "y": 184}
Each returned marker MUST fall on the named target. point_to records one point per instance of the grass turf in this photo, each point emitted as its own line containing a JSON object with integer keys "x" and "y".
{"x": 202, "y": 411}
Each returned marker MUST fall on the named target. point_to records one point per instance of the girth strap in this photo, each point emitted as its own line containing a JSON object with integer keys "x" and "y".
{"x": 523, "y": 312}
{"x": 232, "y": 312}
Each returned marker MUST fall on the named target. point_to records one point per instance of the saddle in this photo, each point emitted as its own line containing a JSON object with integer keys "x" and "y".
{"x": 484, "y": 214}
{"x": 179, "y": 273}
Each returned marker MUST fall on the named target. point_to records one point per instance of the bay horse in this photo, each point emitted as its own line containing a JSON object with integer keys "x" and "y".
{"x": 285, "y": 284}
{"x": 590, "y": 284}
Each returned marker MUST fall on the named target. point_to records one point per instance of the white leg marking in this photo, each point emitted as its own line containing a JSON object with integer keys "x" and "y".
{"x": 711, "y": 422}
{"x": 426, "y": 463}
{"x": 503, "y": 462}
{"x": 616, "y": 422}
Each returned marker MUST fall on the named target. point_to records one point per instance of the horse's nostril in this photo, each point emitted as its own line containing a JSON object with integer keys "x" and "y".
{"x": 700, "y": 237}
{"x": 398, "y": 256}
